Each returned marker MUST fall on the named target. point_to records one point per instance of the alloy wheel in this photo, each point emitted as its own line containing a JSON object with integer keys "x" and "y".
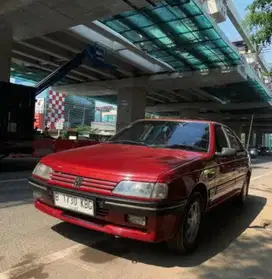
{"x": 192, "y": 223}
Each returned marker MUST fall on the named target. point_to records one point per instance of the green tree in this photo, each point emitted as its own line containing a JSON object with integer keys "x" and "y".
{"x": 259, "y": 21}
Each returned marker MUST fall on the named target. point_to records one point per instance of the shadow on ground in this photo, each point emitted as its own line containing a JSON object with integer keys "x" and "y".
{"x": 221, "y": 228}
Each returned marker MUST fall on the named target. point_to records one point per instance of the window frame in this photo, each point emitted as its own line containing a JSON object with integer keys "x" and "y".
{"x": 225, "y": 134}
{"x": 225, "y": 128}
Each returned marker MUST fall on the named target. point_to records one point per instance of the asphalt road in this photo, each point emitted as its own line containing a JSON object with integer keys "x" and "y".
{"x": 236, "y": 243}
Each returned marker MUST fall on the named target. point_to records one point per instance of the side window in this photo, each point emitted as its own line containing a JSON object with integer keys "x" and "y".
{"x": 234, "y": 142}
{"x": 220, "y": 139}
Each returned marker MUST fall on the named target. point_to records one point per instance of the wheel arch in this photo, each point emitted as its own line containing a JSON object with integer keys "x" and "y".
{"x": 203, "y": 190}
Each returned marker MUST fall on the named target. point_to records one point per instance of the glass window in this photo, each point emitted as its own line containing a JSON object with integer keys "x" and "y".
{"x": 140, "y": 20}
{"x": 234, "y": 142}
{"x": 167, "y": 134}
{"x": 220, "y": 139}
{"x": 165, "y": 14}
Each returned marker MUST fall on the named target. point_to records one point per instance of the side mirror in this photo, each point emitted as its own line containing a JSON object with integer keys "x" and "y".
{"x": 227, "y": 152}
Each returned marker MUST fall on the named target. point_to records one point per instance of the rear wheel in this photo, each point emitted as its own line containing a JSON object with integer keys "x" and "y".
{"x": 187, "y": 235}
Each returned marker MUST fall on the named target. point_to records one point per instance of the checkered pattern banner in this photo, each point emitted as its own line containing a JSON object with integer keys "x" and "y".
{"x": 55, "y": 108}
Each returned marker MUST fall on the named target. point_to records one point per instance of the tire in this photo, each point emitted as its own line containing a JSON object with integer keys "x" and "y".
{"x": 242, "y": 198}
{"x": 182, "y": 242}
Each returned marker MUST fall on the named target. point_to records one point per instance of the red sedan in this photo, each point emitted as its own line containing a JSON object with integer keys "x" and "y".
{"x": 152, "y": 181}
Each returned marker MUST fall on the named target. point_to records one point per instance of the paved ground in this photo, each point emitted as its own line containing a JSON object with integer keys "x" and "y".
{"x": 236, "y": 243}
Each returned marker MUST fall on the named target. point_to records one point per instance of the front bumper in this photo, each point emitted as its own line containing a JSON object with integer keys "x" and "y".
{"x": 111, "y": 213}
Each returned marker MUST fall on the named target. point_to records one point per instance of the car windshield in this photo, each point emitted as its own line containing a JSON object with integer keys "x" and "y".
{"x": 166, "y": 134}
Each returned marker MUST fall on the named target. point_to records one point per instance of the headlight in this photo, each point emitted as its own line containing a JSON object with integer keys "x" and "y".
{"x": 142, "y": 189}
{"x": 42, "y": 171}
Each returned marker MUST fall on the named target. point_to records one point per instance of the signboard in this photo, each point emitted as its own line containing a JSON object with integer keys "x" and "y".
{"x": 59, "y": 124}
{"x": 105, "y": 108}
{"x": 39, "y": 121}
{"x": 39, "y": 106}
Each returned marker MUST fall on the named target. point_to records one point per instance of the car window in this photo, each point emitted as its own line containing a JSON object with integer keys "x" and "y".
{"x": 234, "y": 142}
{"x": 220, "y": 139}
{"x": 167, "y": 134}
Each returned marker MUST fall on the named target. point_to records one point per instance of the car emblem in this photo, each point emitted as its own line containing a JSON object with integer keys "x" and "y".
{"x": 78, "y": 181}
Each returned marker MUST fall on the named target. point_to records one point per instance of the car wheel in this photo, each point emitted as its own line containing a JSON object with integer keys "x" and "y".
{"x": 241, "y": 199}
{"x": 187, "y": 235}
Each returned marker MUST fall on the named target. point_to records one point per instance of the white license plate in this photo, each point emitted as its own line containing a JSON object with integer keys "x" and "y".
{"x": 74, "y": 203}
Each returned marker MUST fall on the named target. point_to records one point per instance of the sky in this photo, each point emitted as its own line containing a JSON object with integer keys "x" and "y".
{"x": 230, "y": 31}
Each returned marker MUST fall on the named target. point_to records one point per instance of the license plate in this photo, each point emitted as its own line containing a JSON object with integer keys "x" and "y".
{"x": 74, "y": 203}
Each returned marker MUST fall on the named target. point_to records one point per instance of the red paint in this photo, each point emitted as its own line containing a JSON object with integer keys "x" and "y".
{"x": 108, "y": 164}
{"x": 156, "y": 231}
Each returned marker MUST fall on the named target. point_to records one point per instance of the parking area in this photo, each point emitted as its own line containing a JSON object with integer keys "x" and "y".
{"x": 236, "y": 243}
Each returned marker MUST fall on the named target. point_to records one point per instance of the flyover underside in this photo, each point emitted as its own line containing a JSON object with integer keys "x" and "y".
{"x": 167, "y": 92}
{"x": 207, "y": 68}
{"x": 171, "y": 50}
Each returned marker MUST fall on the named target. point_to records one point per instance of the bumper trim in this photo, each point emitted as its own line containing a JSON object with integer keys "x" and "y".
{"x": 37, "y": 185}
{"x": 182, "y": 204}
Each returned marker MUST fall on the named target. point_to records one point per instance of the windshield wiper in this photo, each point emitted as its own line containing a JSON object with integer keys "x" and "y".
{"x": 185, "y": 146}
{"x": 128, "y": 142}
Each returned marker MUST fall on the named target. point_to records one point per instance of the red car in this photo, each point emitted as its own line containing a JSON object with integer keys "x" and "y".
{"x": 152, "y": 181}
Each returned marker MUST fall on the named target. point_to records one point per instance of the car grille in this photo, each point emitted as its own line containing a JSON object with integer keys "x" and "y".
{"x": 94, "y": 184}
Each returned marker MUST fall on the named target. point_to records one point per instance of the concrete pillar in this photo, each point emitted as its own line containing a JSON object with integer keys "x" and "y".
{"x": 5, "y": 50}
{"x": 131, "y": 103}
{"x": 259, "y": 138}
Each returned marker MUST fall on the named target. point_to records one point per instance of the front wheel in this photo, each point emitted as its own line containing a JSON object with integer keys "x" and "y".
{"x": 187, "y": 235}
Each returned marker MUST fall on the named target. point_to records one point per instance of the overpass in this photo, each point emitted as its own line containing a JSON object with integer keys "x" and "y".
{"x": 170, "y": 58}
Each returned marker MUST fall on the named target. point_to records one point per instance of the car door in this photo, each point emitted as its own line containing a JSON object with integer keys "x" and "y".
{"x": 241, "y": 161}
{"x": 225, "y": 180}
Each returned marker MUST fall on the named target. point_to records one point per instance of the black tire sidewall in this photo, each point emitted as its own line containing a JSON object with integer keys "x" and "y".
{"x": 240, "y": 199}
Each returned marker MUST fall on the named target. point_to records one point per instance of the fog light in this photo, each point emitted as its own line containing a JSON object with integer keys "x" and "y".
{"x": 37, "y": 195}
{"x": 138, "y": 220}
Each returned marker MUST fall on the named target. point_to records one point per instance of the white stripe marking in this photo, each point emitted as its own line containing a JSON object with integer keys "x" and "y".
{"x": 260, "y": 176}
{"x": 13, "y": 180}
{"x": 20, "y": 270}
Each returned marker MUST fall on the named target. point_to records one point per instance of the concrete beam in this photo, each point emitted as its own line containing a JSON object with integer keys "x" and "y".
{"x": 206, "y": 105}
{"x": 206, "y": 95}
{"x": 39, "y": 62}
{"x": 23, "y": 61}
{"x": 163, "y": 96}
{"x": 61, "y": 54}
{"x": 171, "y": 81}
{"x": 68, "y": 45}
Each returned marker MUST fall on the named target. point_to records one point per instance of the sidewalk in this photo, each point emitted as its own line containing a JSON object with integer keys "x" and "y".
{"x": 249, "y": 256}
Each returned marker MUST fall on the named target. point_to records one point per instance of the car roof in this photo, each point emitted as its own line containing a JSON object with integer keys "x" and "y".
{"x": 179, "y": 120}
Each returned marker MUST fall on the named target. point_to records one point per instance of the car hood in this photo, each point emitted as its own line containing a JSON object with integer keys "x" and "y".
{"x": 119, "y": 161}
